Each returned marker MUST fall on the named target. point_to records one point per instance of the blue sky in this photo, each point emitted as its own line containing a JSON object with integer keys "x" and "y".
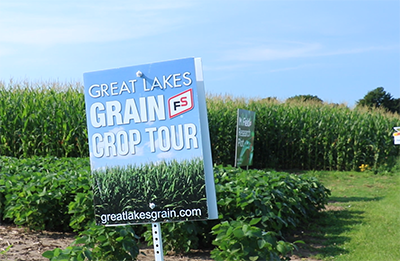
{"x": 337, "y": 50}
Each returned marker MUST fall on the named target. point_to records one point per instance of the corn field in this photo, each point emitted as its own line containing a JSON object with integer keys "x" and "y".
{"x": 151, "y": 187}
{"x": 48, "y": 119}
{"x": 305, "y": 135}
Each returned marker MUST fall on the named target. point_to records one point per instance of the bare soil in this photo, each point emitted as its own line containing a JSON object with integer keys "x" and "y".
{"x": 26, "y": 245}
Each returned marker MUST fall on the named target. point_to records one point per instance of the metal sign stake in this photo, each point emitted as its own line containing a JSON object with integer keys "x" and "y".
{"x": 157, "y": 242}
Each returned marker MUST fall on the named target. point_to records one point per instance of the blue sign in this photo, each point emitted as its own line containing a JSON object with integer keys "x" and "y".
{"x": 149, "y": 143}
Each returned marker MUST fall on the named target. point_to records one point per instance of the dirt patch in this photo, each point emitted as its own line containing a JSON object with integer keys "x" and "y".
{"x": 196, "y": 255}
{"x": 304, "y": 251}
{"x": 27, "y": 245}
{"x": 331, "y": 207}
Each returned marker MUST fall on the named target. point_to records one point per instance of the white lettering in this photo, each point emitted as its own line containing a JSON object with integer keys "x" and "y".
{"x": 122, "y": 143}
{"x": 190, "y": 134}
{"x": 175, "y": 137}
{"x": 151, "y": 137}
{"x": 131, "y": 112}
{"x": 151, "y": 108}
{"x": 97, "y": 119}
{"x": 109, "y": 144}
{"x": 168, "y": 137}
{"x": 124, "y": 88}
{"x": 143, "y": 110}
{"x": 117, "y": 88}
{"x": 134, "y": 139}
{"x": 156, "y": 108}
{"x": 166, "y": 81}
{"x": 150, "y": 215}
{"x": 113, "y": 110}
{"x": 96, "y": 93}
{"x": 113, "y": 87}
{"x": 164, "y": 138}
{"x": 156, "y": 83}
{"x": 176, "y": 80}
{"x": 189, "y": 80}
{"x": 98, "y": 152}
{"x": 112, "y": 144}
{"x": 101, "y": 90}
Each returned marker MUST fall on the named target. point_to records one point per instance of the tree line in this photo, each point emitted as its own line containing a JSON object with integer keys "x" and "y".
{"x": 377, "y": 98}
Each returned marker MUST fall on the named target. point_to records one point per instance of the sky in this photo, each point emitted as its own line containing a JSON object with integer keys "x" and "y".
{"x": 337, "y": 50}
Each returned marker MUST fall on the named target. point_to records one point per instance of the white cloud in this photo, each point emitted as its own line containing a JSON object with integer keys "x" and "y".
{"x": 166, "y": 155}
{"x": 288, "y": 50}
{"x": 76, "y": 22}
{"x": 360, "y": 50}
{"x": 273, "y": 51}
{"x": 226, "y": 67}
{"x": 4, "y": 50}
{"x": 302, "y": 66}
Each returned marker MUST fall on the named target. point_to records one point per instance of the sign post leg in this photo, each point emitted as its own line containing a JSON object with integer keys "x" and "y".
{"x": 157, "y": 242}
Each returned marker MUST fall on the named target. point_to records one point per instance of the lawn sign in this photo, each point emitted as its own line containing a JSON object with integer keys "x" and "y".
{"x": 149, "y": 144}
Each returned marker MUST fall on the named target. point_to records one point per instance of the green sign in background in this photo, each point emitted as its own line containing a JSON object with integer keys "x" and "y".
{"x": 245, "y": 137}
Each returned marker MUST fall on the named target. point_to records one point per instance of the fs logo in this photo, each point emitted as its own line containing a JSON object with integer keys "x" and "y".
{"x": 180, "y": 103}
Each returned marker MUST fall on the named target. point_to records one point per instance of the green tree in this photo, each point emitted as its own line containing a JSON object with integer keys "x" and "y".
{"x": 397, "y": 105}
{"x": 379, "y": 98}
{"x": 304, "y": 98}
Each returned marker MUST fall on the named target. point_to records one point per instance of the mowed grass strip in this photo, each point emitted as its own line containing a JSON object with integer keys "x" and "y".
{"x": 362, "y": 220}
{"x": 380, "y": 235}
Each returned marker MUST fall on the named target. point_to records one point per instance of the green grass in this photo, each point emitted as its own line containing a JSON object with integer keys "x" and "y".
{"x": 362, "y": 221}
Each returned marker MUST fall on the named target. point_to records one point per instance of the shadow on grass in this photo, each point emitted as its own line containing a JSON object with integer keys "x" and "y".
{"x": 324, "y": 235}
{"x": 353, "y": 199}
